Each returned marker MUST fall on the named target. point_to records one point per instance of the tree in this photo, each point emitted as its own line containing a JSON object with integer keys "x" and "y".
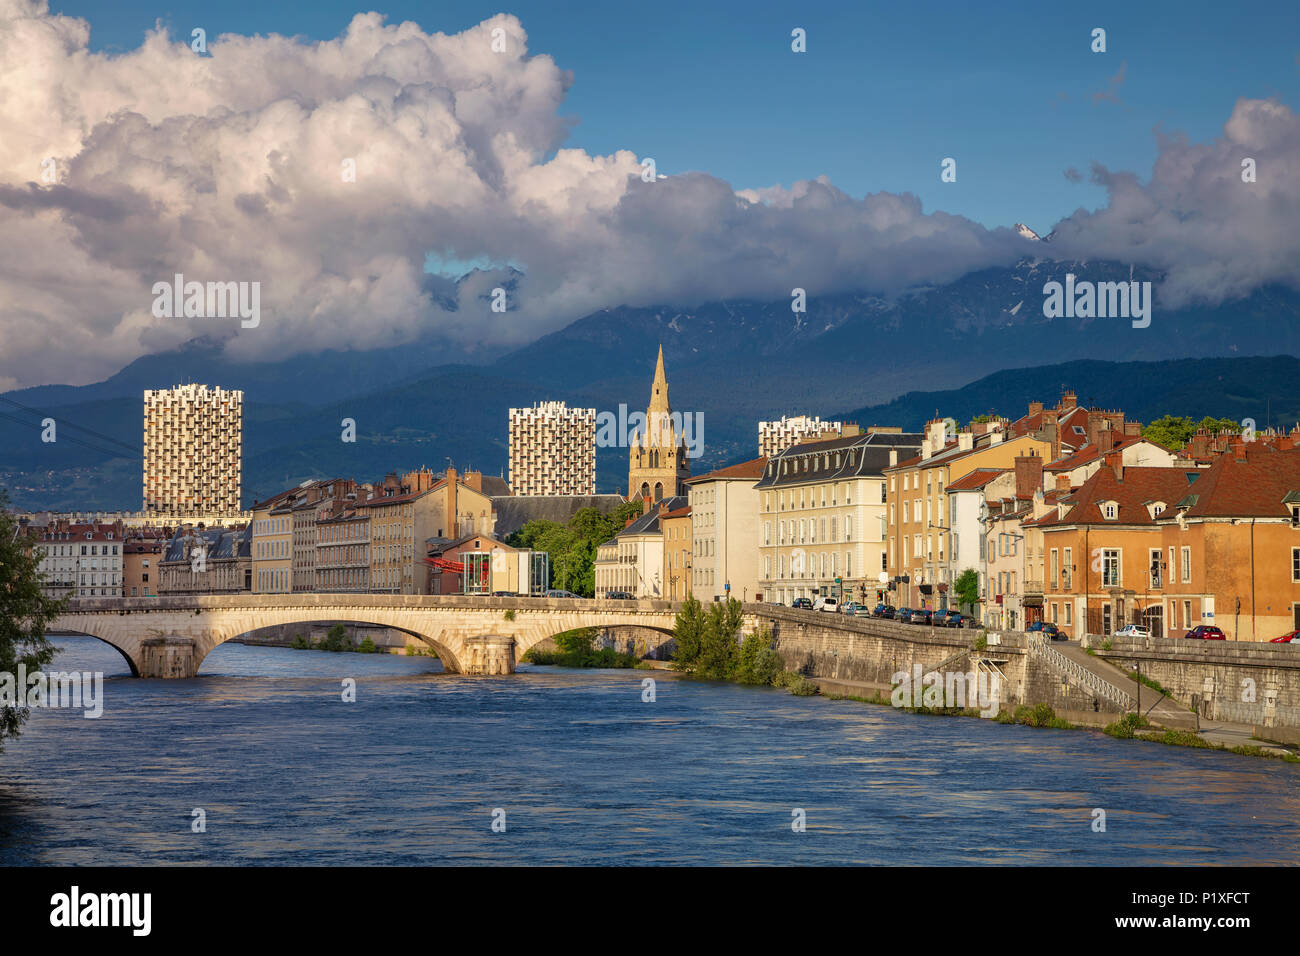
{"x": 688, "y": 631}
{"x": 967, "y": 587}
{"x": 757, "y": 662}
{"x": 25, "y": 614}
{"x": 1175, "y": 431}
{"x": 718, "y": 648}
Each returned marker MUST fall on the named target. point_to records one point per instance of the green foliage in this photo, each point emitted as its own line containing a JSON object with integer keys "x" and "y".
{"x": 574, "y": 649}
{"x": 758, "y": 662}
{"x": 1040, "y": 715}
{"x": 510, "y": 614}
{"x": 300, "y": 643}
{"x": 981, "y": 642}
{"x": 1173, "y": 432}
{"x": 336, "y": 639}
{"x": 25, "y": 613}
{"x": 572, "y": 546}
{"x": 367, "y": 647}
{"x": 718, "y": 648}
{"x": 799, "y": 685}
{"x": 967, "y": 587}
{"x": 1126, "y": 727}
{"x": 688, "y": 630}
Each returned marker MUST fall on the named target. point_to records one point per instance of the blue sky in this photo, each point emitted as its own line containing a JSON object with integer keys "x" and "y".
{"x": 884, "y": 92}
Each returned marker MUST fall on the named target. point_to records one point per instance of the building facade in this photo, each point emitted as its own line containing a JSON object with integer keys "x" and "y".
{"x": 193, "y": 452}
{"x": 553, "y": 450}
{"x": 776, "y": 436}
{"x": 725, "y": 530}
{"x": 822, "y": 528}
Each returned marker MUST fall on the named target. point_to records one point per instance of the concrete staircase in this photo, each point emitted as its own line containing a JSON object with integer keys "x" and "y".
{"x": 1116, "y": 685}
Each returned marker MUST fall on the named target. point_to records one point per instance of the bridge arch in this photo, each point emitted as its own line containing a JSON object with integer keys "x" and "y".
{"x": 126, "y": 656}
{"x": 445, "y": 654}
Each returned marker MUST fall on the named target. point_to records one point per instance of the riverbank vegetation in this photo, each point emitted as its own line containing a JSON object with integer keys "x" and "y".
{"x": 709, "y": 646}
{"x": 572, "y": 546}
{"x": 336, "y": 640}
{"x": 576, "y": 648}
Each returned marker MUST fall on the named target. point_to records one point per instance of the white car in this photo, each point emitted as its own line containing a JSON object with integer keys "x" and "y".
{"x": 826, "y": 604}
{"x": 1134, "y": 630}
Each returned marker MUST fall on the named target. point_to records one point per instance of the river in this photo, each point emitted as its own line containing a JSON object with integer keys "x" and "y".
{"x": 586, "y": 772}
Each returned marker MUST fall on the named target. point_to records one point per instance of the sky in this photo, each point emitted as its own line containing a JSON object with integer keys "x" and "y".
{"x": 818, "y": 169}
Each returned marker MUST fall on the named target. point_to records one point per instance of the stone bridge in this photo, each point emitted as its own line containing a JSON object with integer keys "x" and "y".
{"x": 170, "y": 636}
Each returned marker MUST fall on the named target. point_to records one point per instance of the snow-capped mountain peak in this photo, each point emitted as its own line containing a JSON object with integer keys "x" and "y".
{"x": 1025, "y": 232}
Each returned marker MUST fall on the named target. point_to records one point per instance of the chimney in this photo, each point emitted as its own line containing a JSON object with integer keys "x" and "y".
{"x": 893, "y": 457}
{"x": 1132, "y": 429}
{"x": 965, "y": 440}
{"x": 1115, "y": 461}
{"x": 1035, "y": 408}
{"x": 645, "y": 506}
{"x": 995, "y": 437}
{"x": 1068, "y": 400}
{"x": 1062, "y": 481}
{"x": 1029, "y": 475}
{"x": 1200, "y": 443}
{"x": 474, "y": 479}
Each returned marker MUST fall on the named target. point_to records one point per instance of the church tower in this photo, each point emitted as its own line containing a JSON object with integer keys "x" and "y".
{"x": 658, "y": 465}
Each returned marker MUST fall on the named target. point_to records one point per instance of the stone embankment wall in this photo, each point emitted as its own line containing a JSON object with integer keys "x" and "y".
{"x": 1246, "y": 683}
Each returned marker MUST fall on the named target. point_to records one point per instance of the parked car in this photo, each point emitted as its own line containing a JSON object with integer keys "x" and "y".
{"x": 854, "y": 608}
{"x": 903, "y": 614}
{"x": 1052, "y": 632}
{"x": 949, "y": 619}
{"x": 1292, "y": 638}
{"x": 556, "y": 593}
{"x": 1206, "y": 632}
{"x": 619, "y": 596}
{"x": 804, "y": 603}
{"x": 826, "y": 604}
{"x": 880, "y": 609}
{"x": 1135, "y": 630}
{"x": 864, "y": 611}
{"x": 922, "y": 617}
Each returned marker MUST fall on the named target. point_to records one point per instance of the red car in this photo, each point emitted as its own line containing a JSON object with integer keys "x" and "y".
{"x": 1292, "y": 638}
{"x": 1206, "y": 632}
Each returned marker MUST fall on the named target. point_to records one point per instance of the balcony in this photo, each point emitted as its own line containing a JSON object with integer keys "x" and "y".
{"x": 1032, "y": 587}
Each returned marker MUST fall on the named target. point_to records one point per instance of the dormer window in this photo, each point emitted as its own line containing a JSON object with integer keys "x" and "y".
{"x": 1154, "y": 508}
{"x": 1110, "y": 510}
{"x": 1292, "y": 502}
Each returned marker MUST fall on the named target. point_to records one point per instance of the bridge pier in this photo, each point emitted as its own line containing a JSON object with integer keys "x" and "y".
{"x": 489, "y": 655}
{"x": 168, "y": 657}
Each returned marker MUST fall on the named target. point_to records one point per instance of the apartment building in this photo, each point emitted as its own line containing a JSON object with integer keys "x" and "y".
{"x": 1228, "y": 552}
{"x": 918, "y": 516}
{"x": 141, "y": 571}
{"x": 724, "y": 560}
{"x": 552, "y": 450}
{"x": 317, "y": 499}
{"x": 1103, "y": 566}
{"x": 342, "y": 561}
{"x": 677, "y": 573}
{"x": 775, "y": 437}
{"x": 81, "y": 560}
{"x": 193, "y": 452}
{"x": 272, "y": 543}
{"x": 633, "y": 560}
{"x": 822, "y": 516}
{"x": 969, "y": 506}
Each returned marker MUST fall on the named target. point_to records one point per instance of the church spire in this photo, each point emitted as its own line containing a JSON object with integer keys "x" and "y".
{"x": 659, "y": 390}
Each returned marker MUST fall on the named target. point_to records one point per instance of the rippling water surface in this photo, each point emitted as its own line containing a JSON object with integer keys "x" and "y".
{"x": 589, "y": 774}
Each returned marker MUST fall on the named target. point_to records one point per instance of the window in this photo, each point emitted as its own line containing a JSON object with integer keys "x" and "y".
{"x": 1110, "y": 569}
{"x": 1054, "y": 614}
{"x": 1295, "y": 564}
{"x": 1187, "y": 565}
{"x": 1068, "y": 606}
{"x": 1187, "y": 614}
{"x": 1156, "y": 576}
{"x": 1053, "y": 569}
{"x": 1067, "y": 569}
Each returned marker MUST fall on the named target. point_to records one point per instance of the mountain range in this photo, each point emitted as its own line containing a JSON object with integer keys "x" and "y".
{"x": 978, "y": 344}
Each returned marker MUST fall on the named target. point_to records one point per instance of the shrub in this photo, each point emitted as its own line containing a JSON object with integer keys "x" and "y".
{"x": 510, "y": 614}
{"x": 757, "y": 662}
{"x": 367, "y": 647}
{"x": 1125, "y": 728}
{"x": 801, "y": 686}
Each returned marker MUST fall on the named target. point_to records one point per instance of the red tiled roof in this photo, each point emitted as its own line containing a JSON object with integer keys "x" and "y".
{"x": 1139, "y": 486}
{"x": 1251, "y": 487}
{"x": 976, "y": 479}
{"x": 678, "y": 513}
{"x": 745, "y": 470}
